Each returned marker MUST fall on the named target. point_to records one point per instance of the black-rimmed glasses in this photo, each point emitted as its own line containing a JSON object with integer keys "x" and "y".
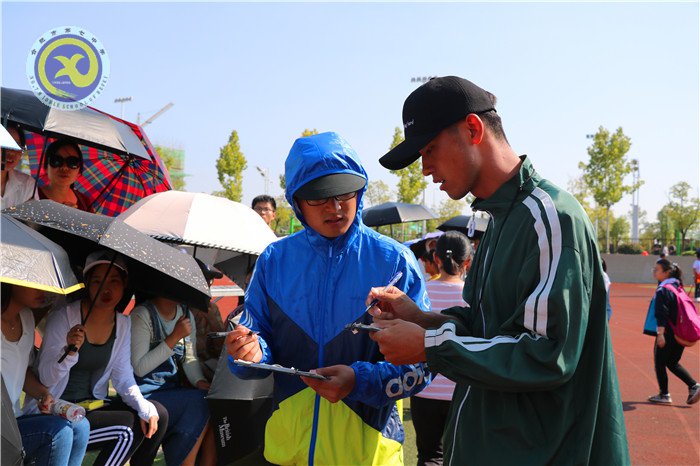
{"x": 339, "y": 198}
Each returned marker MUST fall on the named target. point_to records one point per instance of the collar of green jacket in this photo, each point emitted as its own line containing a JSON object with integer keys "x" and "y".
{"x": 519, "y": 186}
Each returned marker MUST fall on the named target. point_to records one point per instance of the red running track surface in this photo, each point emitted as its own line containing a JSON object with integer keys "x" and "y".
{"x": 657, "y": 434}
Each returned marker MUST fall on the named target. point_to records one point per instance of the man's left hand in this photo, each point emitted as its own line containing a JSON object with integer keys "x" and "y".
{"x": 399, "y": 341}
{"x": 341, "y": 383}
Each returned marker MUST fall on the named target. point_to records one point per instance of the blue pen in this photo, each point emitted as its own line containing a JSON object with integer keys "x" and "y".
{"x": 394, "y": 280}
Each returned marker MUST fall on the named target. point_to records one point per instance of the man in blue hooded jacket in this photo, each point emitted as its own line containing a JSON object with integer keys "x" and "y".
{"x": 305, "y": 289}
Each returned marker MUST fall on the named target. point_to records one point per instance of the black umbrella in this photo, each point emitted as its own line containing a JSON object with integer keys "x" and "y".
{"x": 154, "y": 267}
{"x": 85, "y": 126}
{"x": 391, "y": 213}
{"x": 461, "y": 223}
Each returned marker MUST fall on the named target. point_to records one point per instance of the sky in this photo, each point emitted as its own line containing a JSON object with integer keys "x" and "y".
{"x": 271, "y": 70}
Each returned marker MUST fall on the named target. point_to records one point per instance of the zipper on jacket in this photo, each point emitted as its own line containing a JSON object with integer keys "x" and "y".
{"x": 317, "y": 400}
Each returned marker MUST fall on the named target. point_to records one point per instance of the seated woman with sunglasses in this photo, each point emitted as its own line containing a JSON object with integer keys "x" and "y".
{"x": 63, "y": 163}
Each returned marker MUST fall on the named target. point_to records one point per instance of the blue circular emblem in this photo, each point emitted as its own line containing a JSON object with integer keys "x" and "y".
{"x": 67, "y": 68}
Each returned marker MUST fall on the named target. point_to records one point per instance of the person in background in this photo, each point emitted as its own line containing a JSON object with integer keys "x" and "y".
{"x": 425, "y": 258}
{"x": 607, "y": 281}
{"x": 418, "y": 249}
{"x": 430, "y": 408}
{"x": 667, "y": 351}
{"x": 16, "y": 187}
{"x": 128, "y": 426}
{"x": 305, "y": 289}
{"x": 696, "y": 275}
{"x": 429, "y": 264}
{"x": 63, "y": 163}
{"x": 47, "y": 440}
{"x": 239, "y": 408}
{"x": 206, "y": 322}
{"x": 266, "y": 207}
{"x": 163, "y": 342}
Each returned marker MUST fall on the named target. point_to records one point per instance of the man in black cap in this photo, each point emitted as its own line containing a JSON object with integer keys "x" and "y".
{"x": 531, "y": 353}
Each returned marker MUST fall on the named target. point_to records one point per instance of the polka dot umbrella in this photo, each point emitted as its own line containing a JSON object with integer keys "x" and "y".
{"x": 154, "y": 267}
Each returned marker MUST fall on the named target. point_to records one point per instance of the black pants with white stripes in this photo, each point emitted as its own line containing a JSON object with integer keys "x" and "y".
{"x": 115, "y": 430}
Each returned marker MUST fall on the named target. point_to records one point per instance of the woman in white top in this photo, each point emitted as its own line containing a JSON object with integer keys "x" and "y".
{"x": 430, "y": 407}
{"x": 47, "y": 440}
{"x": 15, "y": 186}
{"x": 103, "y": 342}
{"x": 163, "y": 342}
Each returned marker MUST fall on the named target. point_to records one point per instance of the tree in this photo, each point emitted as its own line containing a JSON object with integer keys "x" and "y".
{"x": 619, "y": 230}
{"x": 606, "y": 170}
{"x": 174, "y": 166}
{"x": 411, "y": 180}
{"x": 682, "y": 209}
{"x": 284, "y": 216}
{"x": 447, "y": 209}
{"x": 377, "y": 193}
{"x": 580, "y": 190}
{"x": 306, "y": 133}
{"x": 596, "y": 214}
{"x": 309, "y": 132}
{"x": 230, "y": 166}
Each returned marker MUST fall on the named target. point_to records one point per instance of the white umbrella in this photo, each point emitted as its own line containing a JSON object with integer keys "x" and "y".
{"x": 218, "y": 231}
{"x": 6, "y": 140}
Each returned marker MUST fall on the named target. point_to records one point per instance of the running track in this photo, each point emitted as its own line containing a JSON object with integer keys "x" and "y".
{"x": 657, "y": 434}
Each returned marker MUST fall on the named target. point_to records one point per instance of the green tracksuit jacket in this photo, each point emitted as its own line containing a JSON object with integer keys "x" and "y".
{"x": 531, "y": 354}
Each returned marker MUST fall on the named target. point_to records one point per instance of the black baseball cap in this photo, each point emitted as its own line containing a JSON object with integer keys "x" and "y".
{"x": 330, "y": 185}
{"x": 431, "y": 108}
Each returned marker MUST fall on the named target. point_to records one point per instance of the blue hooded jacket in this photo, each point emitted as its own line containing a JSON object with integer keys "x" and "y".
{"x": 304, "y": 290}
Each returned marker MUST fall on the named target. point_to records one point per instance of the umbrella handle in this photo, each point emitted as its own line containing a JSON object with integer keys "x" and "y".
{"x": 69, "y": 348}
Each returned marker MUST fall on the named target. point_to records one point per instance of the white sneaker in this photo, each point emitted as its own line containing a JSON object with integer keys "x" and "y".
{"x": 660, "y": 398}
{"x": 697, "y": 300}
{"x": 693, "y": 394}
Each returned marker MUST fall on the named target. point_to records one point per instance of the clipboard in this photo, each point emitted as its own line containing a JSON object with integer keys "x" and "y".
{"x": 357, "y": 327}
{"x": 278, "y": 368}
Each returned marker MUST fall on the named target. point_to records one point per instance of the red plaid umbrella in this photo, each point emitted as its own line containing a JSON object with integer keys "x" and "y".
{"x": 113, "y": 182}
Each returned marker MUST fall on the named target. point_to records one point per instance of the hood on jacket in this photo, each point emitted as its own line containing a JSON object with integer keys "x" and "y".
{"x": 320, "y": 155}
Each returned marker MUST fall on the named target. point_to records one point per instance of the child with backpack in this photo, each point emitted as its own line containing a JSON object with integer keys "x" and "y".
{"x": 667, "y": 350}
{"x": 696, "y": 273}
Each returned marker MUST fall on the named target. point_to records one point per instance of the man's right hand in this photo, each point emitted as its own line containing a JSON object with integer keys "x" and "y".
{"x": 241, "y": 343}
{"x": 393, "y": 304}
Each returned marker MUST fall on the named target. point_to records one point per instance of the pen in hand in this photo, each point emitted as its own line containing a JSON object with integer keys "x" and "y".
{"x": 394, "y": 280}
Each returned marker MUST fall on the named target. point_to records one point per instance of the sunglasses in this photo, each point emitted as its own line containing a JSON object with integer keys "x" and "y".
{"x": 339, "y": 198}
{"x": 56, "y": 161}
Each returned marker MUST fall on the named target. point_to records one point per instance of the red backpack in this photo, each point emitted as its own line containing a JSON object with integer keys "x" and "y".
{"x": 687, "y": 326}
